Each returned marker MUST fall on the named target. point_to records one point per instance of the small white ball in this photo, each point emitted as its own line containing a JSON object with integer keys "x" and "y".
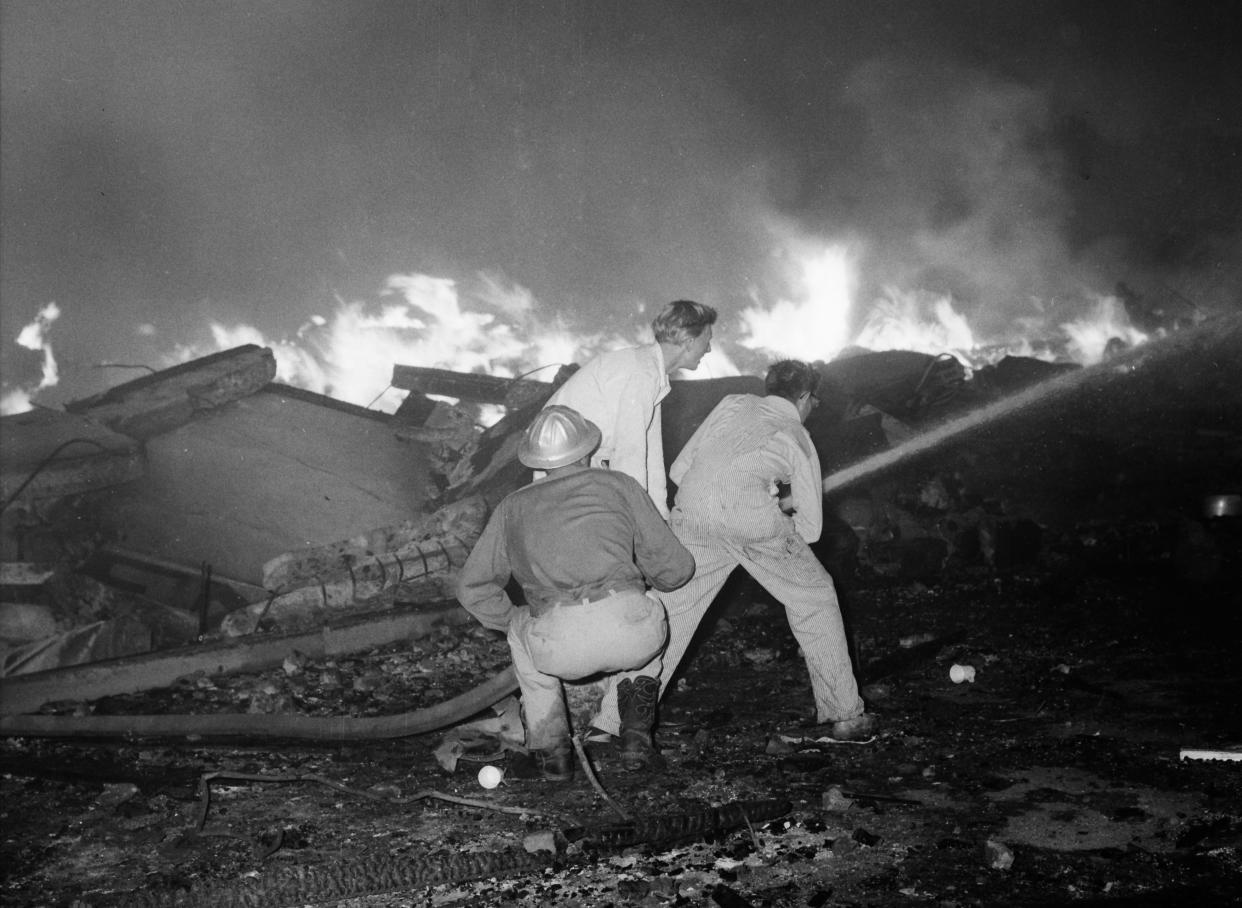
{"x": 490, "y": 776}
{"x": 960, "y": 673}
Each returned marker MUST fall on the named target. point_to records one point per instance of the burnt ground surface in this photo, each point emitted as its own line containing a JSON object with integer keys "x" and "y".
{"x": 1054, "y": 778}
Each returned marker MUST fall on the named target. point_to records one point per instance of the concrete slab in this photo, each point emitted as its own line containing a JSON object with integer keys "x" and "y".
{"x": 51, "y": 454}
{"x": 272, "y": 473}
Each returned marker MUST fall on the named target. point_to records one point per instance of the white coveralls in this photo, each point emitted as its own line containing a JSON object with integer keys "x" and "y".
{"x": 727, "y": 514}
{"x": 620, "y": 391}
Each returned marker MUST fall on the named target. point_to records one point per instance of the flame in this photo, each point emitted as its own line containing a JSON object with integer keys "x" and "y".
{"x": 1105, "y": 328}
{"x": 34, "y": 336}
{"x": 919, "y": 321}
{"x": 423, "y": 321}
{"x": 815, "y": 325}
{"x": 500, "y": 328}
{"x": 502, "y": 331}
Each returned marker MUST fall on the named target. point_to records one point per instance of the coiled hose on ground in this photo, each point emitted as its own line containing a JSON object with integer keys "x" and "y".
{"x": 278, "y": 726}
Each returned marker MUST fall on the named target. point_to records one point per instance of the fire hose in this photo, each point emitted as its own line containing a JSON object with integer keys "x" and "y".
{"x": 316, "y": 728}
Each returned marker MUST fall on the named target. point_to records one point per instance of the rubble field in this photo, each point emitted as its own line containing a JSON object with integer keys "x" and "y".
{"x": 1055, "y": 777}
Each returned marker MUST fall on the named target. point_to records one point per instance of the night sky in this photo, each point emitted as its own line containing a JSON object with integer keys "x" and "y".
{"x": 170, "y": 164}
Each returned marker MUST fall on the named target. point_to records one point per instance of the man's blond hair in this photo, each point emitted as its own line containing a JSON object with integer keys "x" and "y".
{"x": 682, "y": 320}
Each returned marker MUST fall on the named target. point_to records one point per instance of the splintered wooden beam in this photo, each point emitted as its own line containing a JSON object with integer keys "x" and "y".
{"x": 129, "y": 674}
{"x": 471, "y": 386}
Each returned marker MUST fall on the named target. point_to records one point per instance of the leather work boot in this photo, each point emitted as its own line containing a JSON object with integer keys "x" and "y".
{"x": 636, "y": 702}
{"x": 858, "y": 728}
{"x": 553, "y": 764}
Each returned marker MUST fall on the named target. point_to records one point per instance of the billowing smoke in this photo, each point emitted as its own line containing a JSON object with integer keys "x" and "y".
{"x": 824, "y": 174}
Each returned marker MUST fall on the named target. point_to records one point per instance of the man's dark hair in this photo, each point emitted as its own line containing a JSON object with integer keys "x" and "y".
{"x": 790, "y": 379}
{"x": 681, "y": 320}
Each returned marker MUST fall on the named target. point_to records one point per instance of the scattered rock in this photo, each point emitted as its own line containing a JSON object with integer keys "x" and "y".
{"x": 835, "y": 800}
{"x": 998, "y": 855}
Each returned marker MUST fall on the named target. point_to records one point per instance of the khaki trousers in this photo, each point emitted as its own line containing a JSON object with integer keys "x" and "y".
{"x": 624, "y": 633}
{"x": 786, "y": 568}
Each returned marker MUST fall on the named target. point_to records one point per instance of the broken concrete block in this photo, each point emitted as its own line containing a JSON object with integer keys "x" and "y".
{"x": 25, "y": 573}
{"x": 50, "y": 454}
{"x": 459, "y": 523}
{"x": 834, "y": 799}
{"x": 22, "y": 622}
{"x": 546, "y": 840}
{"x": 123, "y": 636}
{"x": 998, "y": 855}
{"x": 156, "y": 403}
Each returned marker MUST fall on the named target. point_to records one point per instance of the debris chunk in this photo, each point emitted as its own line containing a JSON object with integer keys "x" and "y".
{"x": 998, "y": 855}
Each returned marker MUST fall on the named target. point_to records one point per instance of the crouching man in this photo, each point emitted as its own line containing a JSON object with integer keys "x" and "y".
{"x": 583, "y": 544}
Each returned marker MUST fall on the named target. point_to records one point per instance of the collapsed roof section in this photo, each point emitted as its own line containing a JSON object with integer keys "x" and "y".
{"x": 209, "y": 500}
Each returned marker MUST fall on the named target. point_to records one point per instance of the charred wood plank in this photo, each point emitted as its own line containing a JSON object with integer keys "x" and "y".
{"x": 130, "y": 674}
{"x": 278, "y": 726}
{"x": 493, "y": 470}
{"x": 472, "y": 386}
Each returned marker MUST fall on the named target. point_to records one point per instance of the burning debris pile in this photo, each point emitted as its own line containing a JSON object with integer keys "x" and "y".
{"x": 206, "y": 555}
{"x": 207, "y": 502}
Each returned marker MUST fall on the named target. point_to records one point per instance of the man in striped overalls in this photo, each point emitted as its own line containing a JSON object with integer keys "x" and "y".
{"x": 728, "y": 513}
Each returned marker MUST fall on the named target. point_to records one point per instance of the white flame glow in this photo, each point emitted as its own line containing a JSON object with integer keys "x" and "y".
{"x": 350, "y": 354}
{"x": 1098, "y": 332}
{"x": 814, "y": 322}
{"x": 920, "y": 322}
{"x": 34, "y": 336}
{"x": 501, "y": 329}
{"x": 814, "y": 325}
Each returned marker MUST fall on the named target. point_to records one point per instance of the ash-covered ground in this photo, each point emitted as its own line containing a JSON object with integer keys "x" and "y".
{"x": 1055, "y": 777}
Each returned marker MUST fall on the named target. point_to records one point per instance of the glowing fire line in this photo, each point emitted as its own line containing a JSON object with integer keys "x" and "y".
{"x": 503, "y": 330}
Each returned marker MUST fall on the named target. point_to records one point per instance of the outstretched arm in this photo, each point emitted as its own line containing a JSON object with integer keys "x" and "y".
{"x": 664, "y": 561}
{"x": 481, "y": 583}
{"x": 806, "y": 490}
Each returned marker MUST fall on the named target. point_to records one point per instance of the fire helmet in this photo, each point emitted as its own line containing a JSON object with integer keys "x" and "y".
{"x": 557, "y": 437}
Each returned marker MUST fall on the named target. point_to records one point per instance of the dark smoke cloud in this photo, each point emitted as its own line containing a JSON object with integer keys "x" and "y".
{"x": 166, "y": 162}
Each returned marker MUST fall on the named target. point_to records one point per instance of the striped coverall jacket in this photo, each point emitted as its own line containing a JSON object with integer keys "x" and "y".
{"x": 727, "y": 513}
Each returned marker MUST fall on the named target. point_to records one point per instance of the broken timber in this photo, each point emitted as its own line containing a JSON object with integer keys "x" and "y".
{"x": 129, "y": 674}
{"x": 513, "y": 393}
{"x": 280, "y": 726}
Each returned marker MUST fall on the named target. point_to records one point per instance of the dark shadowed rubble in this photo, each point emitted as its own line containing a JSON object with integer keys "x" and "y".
{"x": 1053, "y": 777}
{"x": 1066, "y": 555}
